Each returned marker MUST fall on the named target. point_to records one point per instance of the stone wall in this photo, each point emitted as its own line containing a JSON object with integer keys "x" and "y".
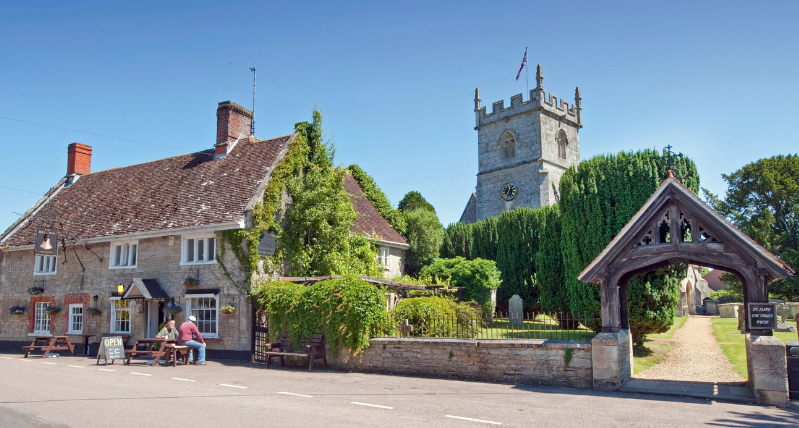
{"x": 537, "y": 362}
{"x": 71, "y": 284}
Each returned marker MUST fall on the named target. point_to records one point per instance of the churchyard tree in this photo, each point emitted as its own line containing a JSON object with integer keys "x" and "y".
{"x": 762, "y": 200}
{"x": 424, "y": 234}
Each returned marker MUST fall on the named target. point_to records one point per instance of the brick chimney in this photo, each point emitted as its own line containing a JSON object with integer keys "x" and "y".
{"x": 79, "y": 159}
{"x": 232, "y": 121}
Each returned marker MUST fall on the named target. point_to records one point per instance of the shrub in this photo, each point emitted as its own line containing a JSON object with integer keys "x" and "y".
{"x": 348, "y": 311}
{"x": 437, "y": 317}
{"x": 480, "y": 277}
{"x": 424, "y": 234}
{"x": 730, "y": 295}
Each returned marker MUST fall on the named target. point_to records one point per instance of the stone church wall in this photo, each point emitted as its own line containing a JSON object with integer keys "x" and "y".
{"x": 536, "y": 362}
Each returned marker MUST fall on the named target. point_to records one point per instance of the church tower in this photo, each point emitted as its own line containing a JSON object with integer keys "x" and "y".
{"x": 523, "y": 151}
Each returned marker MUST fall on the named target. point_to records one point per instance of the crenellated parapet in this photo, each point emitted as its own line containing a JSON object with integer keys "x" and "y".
{"x": 537, "y": 101}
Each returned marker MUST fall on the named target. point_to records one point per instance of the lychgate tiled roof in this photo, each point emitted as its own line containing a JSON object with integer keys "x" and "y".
{"x": 369, "y": 221}
{"x": 182, "y": 191}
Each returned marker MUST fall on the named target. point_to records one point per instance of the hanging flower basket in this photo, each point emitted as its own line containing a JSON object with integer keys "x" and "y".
{"x": 94, "y": 312}
{"x": 35, "y": 290}
{"x": 191, "y": 282}
{"x": 52, "y": 310}
{"x": 173, "y": 309}
{"x": 18, "y": 310}
{"x": 228, "y": 309}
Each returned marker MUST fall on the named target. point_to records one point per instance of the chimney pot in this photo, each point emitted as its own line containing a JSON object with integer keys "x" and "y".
{"x": 79, "y": 159}
{"x": 232, "y": 121}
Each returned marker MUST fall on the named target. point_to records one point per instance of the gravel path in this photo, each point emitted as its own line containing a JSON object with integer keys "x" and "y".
{"x": 696, "y": 356}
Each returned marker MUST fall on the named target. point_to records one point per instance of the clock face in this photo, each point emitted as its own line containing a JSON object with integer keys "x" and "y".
{"x": 508, "y": 191}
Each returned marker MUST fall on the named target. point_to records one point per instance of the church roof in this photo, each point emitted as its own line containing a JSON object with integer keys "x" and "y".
{"x": 369, "y": 221}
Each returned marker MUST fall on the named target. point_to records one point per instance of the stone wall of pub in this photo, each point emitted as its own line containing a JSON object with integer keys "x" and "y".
{"x": 73, "y": 284}
{"x": 537, "y": 362}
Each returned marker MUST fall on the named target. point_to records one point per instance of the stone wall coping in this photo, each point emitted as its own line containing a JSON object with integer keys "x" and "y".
{"x": 494, "y": 343}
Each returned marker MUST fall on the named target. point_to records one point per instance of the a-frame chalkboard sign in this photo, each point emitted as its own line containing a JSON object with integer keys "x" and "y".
{"x": 111, "y": 348}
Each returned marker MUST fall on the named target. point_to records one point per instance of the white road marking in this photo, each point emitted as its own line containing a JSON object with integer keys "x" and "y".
{"x": 371, "y": 405}
{"x": 6, "y": 358}
{"x": 77, "y": 367}
{"x": 140, "y": 374}
{"x": 184, "y": 380}
{"x": 45, "y": 362}
{"x": 298, "y": 395}
{"x": 24, "y": 359}
{"x": 107, "y": 370}
{"x": 233, "y": 386}
{"x": 473, "y": 420}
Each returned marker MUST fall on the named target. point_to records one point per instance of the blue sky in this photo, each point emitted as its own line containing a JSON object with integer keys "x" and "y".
{"x": 395, "y": 81}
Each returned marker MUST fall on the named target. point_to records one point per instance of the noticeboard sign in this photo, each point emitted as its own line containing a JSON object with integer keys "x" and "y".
{"x": 46, "y": 241}
{"x": 762, "y": 316}
{"x": 111, "y": 348}
{"x": 267, "y": 245}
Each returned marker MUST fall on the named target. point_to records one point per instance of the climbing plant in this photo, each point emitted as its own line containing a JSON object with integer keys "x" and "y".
{"x": 348, "y": 311}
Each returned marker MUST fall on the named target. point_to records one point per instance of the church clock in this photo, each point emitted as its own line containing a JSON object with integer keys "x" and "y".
{"x": 509, "y": 191}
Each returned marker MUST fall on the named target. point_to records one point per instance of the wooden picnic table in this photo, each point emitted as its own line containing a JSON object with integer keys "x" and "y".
{"x": 85, "y": 341}
{"x": 150, "y": 350}
{"x": 50, "y": 343}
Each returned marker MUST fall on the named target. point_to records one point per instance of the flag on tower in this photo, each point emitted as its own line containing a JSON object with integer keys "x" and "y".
{"x": 524, "y": 62}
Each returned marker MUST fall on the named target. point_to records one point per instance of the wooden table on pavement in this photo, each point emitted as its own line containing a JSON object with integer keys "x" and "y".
{"x": 156, "y": 354}
{"x": 51, "y": 343}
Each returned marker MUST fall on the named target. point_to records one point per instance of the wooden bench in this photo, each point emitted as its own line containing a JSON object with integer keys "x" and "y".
{"x": 52, "y": 343}
{"x": 176, "y": 352}
{"x": 314, "y": 348}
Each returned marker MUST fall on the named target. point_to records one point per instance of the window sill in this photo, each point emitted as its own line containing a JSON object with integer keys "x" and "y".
{"x": 74, "y": 333}
{"x": 197, "y": 263}
{"x": 122, "y": 267}
{"x": 40, "y": 334}
{"x": 44, "y": 273}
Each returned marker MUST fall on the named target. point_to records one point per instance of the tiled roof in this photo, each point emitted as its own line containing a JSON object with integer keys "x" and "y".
{"x": 178, "y": 192}
{"x": 369, "y": 221}
{"x": 714, "y": 281}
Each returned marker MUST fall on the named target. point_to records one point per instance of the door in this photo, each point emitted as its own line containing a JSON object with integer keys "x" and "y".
{"x": 153, "y": 318}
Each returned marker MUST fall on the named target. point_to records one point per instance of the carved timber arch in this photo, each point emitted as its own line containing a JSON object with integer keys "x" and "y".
{"x": 674, "y": 226}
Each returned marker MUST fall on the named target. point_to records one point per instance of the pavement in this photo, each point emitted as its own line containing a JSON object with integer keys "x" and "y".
{"x": 71, "y": 391}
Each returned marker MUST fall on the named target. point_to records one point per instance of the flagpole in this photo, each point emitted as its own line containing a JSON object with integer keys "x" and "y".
{"x": 526, "y": 73}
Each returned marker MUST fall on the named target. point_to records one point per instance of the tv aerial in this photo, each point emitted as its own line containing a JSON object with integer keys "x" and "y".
{"x": 252, "y": 126}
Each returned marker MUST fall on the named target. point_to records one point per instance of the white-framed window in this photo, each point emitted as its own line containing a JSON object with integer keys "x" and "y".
{"x": 383, "y": 257}
{"x": 120, "y": 316}
{"x": 206, "y": 308}
{"x": 45, "y": 265}
{"x": 75, "y": 320}
{"x": 124, "y": 254}
{"x": 198, "y": 249}
{"x": 41, "y": 319}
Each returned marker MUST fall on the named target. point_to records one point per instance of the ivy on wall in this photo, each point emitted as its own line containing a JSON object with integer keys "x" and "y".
{"x": 308, "y": 210}
{"x": 377, "y": 198}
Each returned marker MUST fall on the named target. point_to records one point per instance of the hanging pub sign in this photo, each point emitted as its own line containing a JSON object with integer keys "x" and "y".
{"x": 762, "y": 316}
{"x": 46, "y": 241}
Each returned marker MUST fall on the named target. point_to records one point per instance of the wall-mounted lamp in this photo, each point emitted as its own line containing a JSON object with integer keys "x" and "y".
{"x": 120, "y": 288}
{"x": 95, "y": 299}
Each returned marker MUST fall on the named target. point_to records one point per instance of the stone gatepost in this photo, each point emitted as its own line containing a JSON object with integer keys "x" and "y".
{"x": 768, "y": 370}
{"x": 611, "y": 360}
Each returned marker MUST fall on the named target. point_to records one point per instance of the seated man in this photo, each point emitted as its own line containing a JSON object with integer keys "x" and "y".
{"x": 187, "y": 332}
{"x": 168, "y": 332}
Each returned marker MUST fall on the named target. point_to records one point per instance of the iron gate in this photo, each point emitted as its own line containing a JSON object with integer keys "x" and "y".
{"x": 260, "y": 336}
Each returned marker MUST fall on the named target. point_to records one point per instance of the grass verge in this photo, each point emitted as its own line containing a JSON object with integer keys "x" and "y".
{"x": 732, "y": 342}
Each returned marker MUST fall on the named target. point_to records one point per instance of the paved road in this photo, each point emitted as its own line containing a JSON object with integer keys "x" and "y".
{"x": 73, "y": 392}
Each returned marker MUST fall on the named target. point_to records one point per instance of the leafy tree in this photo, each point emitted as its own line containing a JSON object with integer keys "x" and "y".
{"x": 478, "y": 276}
{"x": 597, "y": 200}
{"x": 316, "y": 239}
{"x": 378, "y": 198}
{"x": 424, "y": 234}
{"x": 762, "y": 200}
{"x": 414, "y": 200}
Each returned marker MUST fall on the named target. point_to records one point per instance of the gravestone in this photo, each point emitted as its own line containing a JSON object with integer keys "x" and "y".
{"x": 516, "y": 310}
